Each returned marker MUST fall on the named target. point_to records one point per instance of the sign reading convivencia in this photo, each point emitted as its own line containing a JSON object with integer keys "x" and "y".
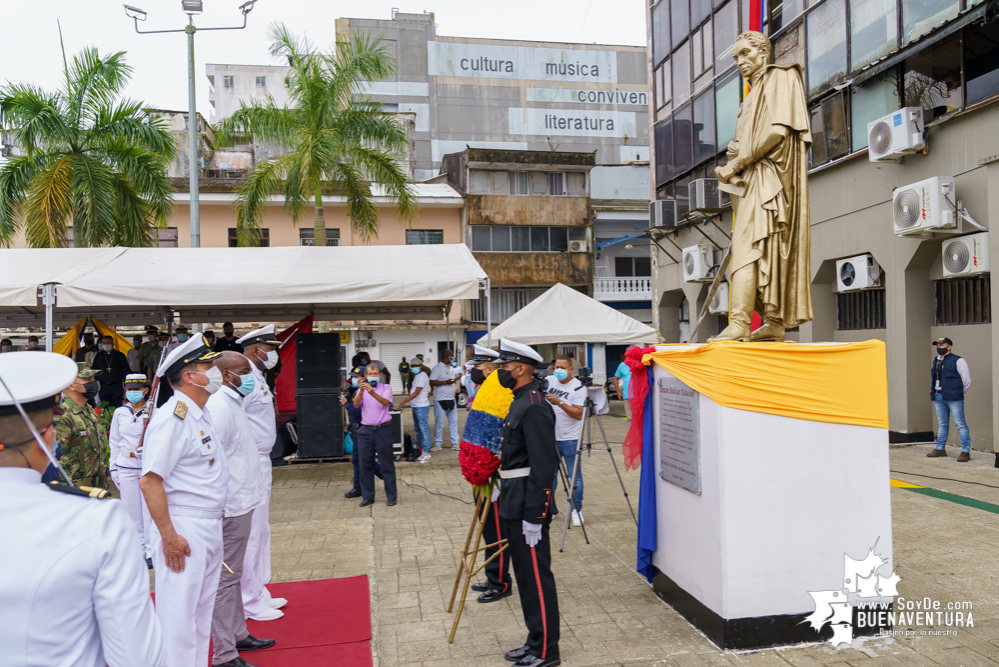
{"x": 521, "y": 62}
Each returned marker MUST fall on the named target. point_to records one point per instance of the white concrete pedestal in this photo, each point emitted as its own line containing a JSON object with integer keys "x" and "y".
{"x": 781, "y": 502}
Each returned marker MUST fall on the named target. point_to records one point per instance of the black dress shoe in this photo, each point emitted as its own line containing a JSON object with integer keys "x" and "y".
{"x": 353, "y": 493}
{"x": 481, "y": 587}
{"x": 532, "y": 661}
{"x": 517, "y": 654}
{"x": 365, "y": 503}
{"x": 251, "y": 643}
{"x": 492, "y": 595}
{"x": 235, "y": 662}
{"x": 392, "y": 503}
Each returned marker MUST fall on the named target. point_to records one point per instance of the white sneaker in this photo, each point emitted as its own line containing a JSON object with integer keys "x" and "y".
{"x": 269, "y": 614}
{"x": 436, "y": 448}
{"x": 577, "y": 518}
{"x": 456, "y": 447}
{"x": 277, "y": 603}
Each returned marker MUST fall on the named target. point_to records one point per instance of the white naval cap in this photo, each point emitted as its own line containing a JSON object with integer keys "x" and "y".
{"x": 35, "y": 379}
{"x": 482, "y": 354}
{"x": 136, "y": 380}
{"x": 193, "y": 349}
{"x": 261, "y": 335}
{"x": 511, "y": 351}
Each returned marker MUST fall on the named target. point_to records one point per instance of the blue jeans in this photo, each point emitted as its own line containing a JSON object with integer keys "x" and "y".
{"x": 567, "y": 448}
{"x": 421, "y": 424}
{"x": 944, "y": 410}
{"x": 452, "y": 419}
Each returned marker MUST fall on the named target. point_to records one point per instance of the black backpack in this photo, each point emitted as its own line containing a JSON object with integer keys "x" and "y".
{"x": 409, "y": 449}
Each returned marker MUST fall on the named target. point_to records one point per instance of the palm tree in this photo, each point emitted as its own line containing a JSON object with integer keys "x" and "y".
{"x": 90, "y": 158}
{"x": 336, "y": 141}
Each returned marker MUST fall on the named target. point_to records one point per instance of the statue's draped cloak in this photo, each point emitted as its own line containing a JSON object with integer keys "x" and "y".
{"x": 771, "y": 220}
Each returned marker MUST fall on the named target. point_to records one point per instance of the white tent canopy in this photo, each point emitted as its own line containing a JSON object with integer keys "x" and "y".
{"x": 133, "y": 285}
{"x": 564, "y": 315}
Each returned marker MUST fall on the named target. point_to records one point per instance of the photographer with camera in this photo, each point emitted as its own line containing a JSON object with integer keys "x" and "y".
{"x": 568, "y": 395}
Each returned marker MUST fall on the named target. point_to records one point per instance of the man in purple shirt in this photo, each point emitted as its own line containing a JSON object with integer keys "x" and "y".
{"x": 375, "y": 434}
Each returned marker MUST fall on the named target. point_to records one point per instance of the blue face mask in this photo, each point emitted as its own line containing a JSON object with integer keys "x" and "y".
{"x": 354, "y": 382}
{"x": 454, "y": 364}
{"x": 561, "y": 374}
{"x": 372, "y": 381}
{"x": 181, "y": 337}
{"x": 247, "y": 384}
{"x": 415, "y": 370}
{"x": 134, "y": 396}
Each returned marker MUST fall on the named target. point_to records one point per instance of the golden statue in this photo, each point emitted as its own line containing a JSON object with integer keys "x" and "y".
{"x": 767, "y": 176}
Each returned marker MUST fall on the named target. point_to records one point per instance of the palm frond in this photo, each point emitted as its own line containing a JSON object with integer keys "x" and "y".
{"x": 95, "y": 82}
{"x": 49, "y": 204}
{"x": 34, "y": 118}
{"x": 263, "y": 119}
{"x": 15, "y": 177}
{"x": 129, "y": 121}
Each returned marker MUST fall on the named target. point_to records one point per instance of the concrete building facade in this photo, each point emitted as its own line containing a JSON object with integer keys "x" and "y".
{"x": 862, "y": 60}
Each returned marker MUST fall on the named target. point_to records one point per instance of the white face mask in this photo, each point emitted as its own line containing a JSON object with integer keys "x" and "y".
{"x": 6, "y": 348}
{"x": 271, "y": 360}
{"x": 214, "y": 376}
{"x": 107, "y": 348}
{"x": 33, "y": 344}
{"x": 162, "y": 343}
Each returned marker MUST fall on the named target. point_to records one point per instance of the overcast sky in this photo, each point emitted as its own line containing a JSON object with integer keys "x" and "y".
{"x": 29, "y": 46}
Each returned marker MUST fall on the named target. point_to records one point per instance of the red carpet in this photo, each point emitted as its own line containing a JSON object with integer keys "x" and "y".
{"x": 354, "y": 654}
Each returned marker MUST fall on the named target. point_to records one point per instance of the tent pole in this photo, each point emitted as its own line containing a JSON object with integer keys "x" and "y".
{"x": 48, "y": 300}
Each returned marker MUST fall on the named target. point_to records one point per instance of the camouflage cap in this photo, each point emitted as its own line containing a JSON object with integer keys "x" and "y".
{"x": 84, "y": 370}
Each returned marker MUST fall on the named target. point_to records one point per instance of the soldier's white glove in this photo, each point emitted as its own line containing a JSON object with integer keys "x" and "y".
{"x": 114, "y": 477}
{"x": 496, "y": 493}
{"x": 532, "y": 533}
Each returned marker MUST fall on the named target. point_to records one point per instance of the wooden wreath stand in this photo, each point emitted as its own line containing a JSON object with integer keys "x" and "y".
{"x": 468, "y": 557}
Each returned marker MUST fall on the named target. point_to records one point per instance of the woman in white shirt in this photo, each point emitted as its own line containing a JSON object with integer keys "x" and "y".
{"x": 126, "y": 455}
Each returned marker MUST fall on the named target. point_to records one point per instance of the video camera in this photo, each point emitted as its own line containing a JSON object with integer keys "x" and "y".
{"x": 584, "y": 376}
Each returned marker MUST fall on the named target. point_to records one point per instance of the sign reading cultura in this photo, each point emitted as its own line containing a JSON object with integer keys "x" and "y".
{"x": 521, "y": 62}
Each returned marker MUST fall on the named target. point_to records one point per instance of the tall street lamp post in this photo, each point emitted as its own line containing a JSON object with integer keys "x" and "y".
{"x": 190, "y": 7}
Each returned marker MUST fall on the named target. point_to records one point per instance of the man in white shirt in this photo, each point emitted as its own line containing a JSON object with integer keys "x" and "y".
{"x": 246, "y": 491}
{"x": 134, "y": 362}
{"x": 419, "y": 400}
{"x": 568, "y": 395}
{"x": 443, "y": 379}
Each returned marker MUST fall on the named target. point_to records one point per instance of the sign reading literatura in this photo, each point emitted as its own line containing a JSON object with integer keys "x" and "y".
{"x": 573, "y": 122}
{"x": 521, "y": 62}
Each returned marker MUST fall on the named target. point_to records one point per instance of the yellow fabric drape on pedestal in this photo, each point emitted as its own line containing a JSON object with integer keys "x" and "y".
{"x": 837, "y": 383}
{"x": 70, "y": 342}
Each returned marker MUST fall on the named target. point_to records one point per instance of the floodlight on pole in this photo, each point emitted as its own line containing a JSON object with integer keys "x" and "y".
{"x": 135, "y": 13}
{"x": 192, "y": 6}
{"x": 247, "y": 7}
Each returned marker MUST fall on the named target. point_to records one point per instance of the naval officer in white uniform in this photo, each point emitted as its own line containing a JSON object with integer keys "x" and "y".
{"x": 73, "y": 589}
{"x": 260, "y": 347}
{"x": 127, "y": 424}
{"x": 184, "y": 481}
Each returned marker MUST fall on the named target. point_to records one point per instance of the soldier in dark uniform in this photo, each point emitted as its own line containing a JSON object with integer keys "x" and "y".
{"x": 528, "y": 465}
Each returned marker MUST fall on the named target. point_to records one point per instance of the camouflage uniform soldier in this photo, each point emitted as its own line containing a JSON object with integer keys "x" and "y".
{"x": 79, "y": 431}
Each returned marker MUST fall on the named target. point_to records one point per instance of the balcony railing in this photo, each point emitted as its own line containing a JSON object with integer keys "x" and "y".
{"x": 622, "y": 289}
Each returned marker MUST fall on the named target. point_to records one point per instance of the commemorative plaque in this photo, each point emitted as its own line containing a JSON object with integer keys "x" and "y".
{"x": 679, "y": 437}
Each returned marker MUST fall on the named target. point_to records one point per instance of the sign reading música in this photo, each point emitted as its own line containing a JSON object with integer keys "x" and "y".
{"x": 679, "y": 436}
{"x": 573, "y": 122}
{"x": 521, "y": 62}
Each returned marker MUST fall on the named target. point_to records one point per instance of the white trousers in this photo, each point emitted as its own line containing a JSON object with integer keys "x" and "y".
{"x": 185, "y": 600}
{"x": 257, "y": 563}
{"x": 128, "y": 485}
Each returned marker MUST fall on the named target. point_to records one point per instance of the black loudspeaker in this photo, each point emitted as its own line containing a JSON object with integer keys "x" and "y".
{"x": 320, "y": 425}
{"x": 318, "y": 363}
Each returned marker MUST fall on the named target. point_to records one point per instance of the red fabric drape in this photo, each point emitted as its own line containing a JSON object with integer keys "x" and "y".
{"x": 286, "y": 386}
{"x": 638, "y": 389}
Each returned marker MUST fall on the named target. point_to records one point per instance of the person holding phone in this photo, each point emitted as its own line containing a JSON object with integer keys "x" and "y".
{"x": 375, "y": 435}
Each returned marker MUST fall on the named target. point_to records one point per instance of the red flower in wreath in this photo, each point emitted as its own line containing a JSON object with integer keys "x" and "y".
{"x": 478, "y": 464}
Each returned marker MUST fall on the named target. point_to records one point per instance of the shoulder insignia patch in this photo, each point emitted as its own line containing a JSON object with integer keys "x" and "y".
{"x": 82, "y": 491}
{"x": 181, "y": 410}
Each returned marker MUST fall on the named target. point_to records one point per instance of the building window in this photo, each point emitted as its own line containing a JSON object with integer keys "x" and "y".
{"x": 782, "y": 12}
{"x": 523, "y": 238}
{"x": 261, "y": 82}
{"x": 660, "y": 32}
{"x": 726, "y": 31}
{"x": 679, "y": 20}
{"x": 728, "y": 97}
{"x": 933, "y": 79}
{"x": 505, "y": 303}
{"x": 830, "y": 139}
{"x": 227, "y": 81}
{"x": 629, "y": 267}
{"x": 664, "y": 151}
{"x": 263, "y": 238}
{"x": 704, "y": 127}
{"x": 662, "y": 85}
{"x": 556, "y": 183}
{"x": 864, "y": 309}
{"x": 683, "y": 147}
{"x": 165, "y": 238}
{"x": 703, "y": 51}
{"x": 964, "y": 300}
{"x": 873, "y": 31}
{"x": 919, "y": 17}
{"x": 308, "y": 237}
{"x": 424, "y": 236}
{"x": 681, "y": 73}
{"x": 699, "y": 10}
{"x": 981, "y": 62}
{"x": 518, "y": 183}
{"x": 870, "y": 101}
{"x": 826, "y": 28}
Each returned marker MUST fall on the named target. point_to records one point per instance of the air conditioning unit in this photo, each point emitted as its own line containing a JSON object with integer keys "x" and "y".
{"x": 579, "y": 246}
{"x": 857, "y": 273}
{"x": 662, "y": 213}
{"x": 719, "y": 302}
{"x": 966, "y": 255}
{"x": 923, "y": 207}
{"x": 704, "y": 195}
{"x": 895, "y": 135}
{"x": 698, "y": 261}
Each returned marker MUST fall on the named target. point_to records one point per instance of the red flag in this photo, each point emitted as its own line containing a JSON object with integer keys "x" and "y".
{"x": 638, "y": 389}
{"x": 286, "y": 384}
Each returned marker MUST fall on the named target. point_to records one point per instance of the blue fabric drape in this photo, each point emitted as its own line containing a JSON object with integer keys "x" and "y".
{"x": 647, "y": 516}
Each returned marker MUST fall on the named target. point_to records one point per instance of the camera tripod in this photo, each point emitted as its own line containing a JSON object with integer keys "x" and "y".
{"x": 569, "y": 483}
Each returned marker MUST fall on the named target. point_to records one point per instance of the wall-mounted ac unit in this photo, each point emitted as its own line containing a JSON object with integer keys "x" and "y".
{"x": 895, "y": 135}
{"x": 857, "y": 273}
{"x": 719, "y": 302}
{"x": 697, "y": 263}
{"x": 579, "y": 246}
{"x": 704, "y": 195}
{"x": 966, "y": 255}
{"x": 662, "y": 213}
{"x": 923, "y": 207}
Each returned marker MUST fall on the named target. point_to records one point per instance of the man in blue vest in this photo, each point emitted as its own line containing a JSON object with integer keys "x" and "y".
{"x": 950, "y": 378}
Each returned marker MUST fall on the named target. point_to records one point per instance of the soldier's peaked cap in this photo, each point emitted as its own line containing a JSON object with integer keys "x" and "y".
{"x": 482, "y": 354}
{"x": 34, "y": 378}
{"x": 261, "y": 335}
{"x": 191, "y": 350}
{"x": 511, "y": 351}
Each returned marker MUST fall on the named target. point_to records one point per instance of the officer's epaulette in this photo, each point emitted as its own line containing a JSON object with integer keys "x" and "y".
{"x": 180, "y": 410}
{"x": 84, "y": 491}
